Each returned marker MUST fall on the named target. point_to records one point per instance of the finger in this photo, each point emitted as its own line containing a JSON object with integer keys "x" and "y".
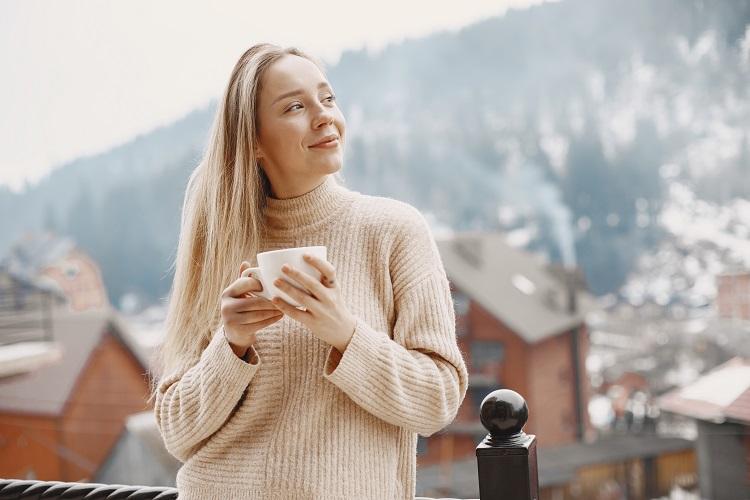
{"x": 251, "y": 317}
{"x": 269, "y": 321}
{"x": 249, "y": 304}
{"x": 322, "y": 265}
{"x": 242, "y": 286}
{"x": 258, "y": 324}
{"x": 257, "y": 316}
{"x": 311, "y": 284}
{"x": 290, "y": 310}
{"x": 294, "y": 292}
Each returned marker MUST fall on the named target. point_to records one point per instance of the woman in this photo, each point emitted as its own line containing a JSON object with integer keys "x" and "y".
{"x": 260, "y": 399}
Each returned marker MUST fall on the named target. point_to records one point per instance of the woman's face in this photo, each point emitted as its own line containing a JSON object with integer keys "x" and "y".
{"x": 296, "y": 110}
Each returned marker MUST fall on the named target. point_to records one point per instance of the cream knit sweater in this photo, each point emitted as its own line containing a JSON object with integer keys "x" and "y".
{"x": 300, "y": 420}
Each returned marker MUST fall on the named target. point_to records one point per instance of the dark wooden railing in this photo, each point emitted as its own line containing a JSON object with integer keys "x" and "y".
{"x": 506, "y": 464}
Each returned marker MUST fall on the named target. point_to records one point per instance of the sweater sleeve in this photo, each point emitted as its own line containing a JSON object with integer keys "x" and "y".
{"x": 417, "y": 379}
{"x": 193, "y": 404}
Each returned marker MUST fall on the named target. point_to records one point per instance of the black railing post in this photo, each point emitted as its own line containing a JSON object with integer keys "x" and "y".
{"x": 506, "y": 458}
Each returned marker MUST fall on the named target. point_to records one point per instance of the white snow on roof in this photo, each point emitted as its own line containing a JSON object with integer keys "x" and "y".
{"x": 721, "y": 387}
{"x": 24, "y": 357}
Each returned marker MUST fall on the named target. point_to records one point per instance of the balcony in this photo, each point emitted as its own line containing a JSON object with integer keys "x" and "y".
{"x": 506, "y": 463}
{"x": 26, "y": 337}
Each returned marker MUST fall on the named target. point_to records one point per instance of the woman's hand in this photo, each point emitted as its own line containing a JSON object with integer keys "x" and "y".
{"x": 326, "y": 315}
{"x": 243, "y": 313}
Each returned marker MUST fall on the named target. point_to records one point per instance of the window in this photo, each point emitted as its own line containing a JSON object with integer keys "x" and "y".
{"x": 71, "y": 270}
{"x": 477, "y": 395}
{"x": 486, "y": 354}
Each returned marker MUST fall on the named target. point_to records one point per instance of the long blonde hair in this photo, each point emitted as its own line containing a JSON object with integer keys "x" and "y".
{"x": 222, "y": 220}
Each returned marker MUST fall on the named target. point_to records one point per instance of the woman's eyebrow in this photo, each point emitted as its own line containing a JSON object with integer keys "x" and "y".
{"x": 297, "y": 92}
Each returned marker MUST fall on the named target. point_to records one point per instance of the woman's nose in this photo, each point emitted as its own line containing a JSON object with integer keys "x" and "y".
{"x": 324, "y": 116}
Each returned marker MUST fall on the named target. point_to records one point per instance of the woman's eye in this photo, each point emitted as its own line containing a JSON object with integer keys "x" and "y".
{"x": 331, "y": 98}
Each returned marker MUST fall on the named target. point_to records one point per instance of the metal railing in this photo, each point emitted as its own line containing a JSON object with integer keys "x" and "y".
{"x": 32, "y": 489}
{"x": 506, "y": 464}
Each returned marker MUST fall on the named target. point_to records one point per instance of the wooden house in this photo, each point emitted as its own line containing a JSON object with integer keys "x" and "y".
{"x": 719, "y": 403}
{"x": 60, "y": 421}
{"x": 520, "y": 324}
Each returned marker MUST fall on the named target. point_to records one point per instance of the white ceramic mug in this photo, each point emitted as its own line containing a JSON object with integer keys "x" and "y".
{"x": 269, "y": 268}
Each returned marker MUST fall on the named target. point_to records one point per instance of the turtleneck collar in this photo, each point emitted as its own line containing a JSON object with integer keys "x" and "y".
{"x": 309, "y": 210}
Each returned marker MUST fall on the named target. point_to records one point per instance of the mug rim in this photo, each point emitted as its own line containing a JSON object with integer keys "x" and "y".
{"x": 269, "y": 252}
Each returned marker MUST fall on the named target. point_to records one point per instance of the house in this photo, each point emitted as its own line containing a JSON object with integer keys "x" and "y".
{"x": 520, "y": 324}
{"x": 27, "y": 338}
{"x": 57, "y": 263}
{"x": 631, "y": 403}
{"x": 733, "y": 297}
{"x": 68, "y": 377}
{"x": 719, "y": 403}
{"x": 60, "y": 421}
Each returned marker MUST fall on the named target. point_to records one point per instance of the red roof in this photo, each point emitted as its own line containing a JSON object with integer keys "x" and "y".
{"x": 47, "y": 389}
{"x": 721, "y": 394}
{"x": 740, "y": 409}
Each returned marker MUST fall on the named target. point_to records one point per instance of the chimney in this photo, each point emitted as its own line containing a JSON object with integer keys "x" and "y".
{"x": 571, "y": 291}
{"x": 571, "y": 278}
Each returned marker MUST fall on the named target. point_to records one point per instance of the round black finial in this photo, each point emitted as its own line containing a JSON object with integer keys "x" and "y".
{"x": 504, "y": 413}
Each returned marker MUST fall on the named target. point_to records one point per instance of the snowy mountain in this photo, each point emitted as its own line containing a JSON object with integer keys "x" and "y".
{"x": 701, "y": 240}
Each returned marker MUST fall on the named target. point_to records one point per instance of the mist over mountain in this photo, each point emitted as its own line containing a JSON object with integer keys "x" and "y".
{"x": 564, "y": 124}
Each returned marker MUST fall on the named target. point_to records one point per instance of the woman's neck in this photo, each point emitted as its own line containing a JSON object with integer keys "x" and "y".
{"x": 307, "y": 210}
{"x": 293, "y": 191}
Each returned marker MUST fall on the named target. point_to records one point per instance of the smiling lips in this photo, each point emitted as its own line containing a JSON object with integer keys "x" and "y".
{"x": 330, "y": 141}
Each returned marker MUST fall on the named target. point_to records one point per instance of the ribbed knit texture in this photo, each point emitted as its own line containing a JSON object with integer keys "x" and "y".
{"x": 301, "y": 420}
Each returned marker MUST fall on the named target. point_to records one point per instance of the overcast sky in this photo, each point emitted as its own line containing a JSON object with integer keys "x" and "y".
{"x": 82, "y": 76}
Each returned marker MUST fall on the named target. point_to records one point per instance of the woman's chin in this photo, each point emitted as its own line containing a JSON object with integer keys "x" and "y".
{"x": 331, "y": 168}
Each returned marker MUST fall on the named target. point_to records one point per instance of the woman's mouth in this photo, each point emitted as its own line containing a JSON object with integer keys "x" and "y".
{"x": 328, "y": 144}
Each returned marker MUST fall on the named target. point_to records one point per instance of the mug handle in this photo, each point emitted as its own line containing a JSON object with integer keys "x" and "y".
{"x": 255, "y": 272}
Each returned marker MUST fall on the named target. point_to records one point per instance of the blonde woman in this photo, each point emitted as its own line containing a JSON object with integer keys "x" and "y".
{"x": 261, "y": 400}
